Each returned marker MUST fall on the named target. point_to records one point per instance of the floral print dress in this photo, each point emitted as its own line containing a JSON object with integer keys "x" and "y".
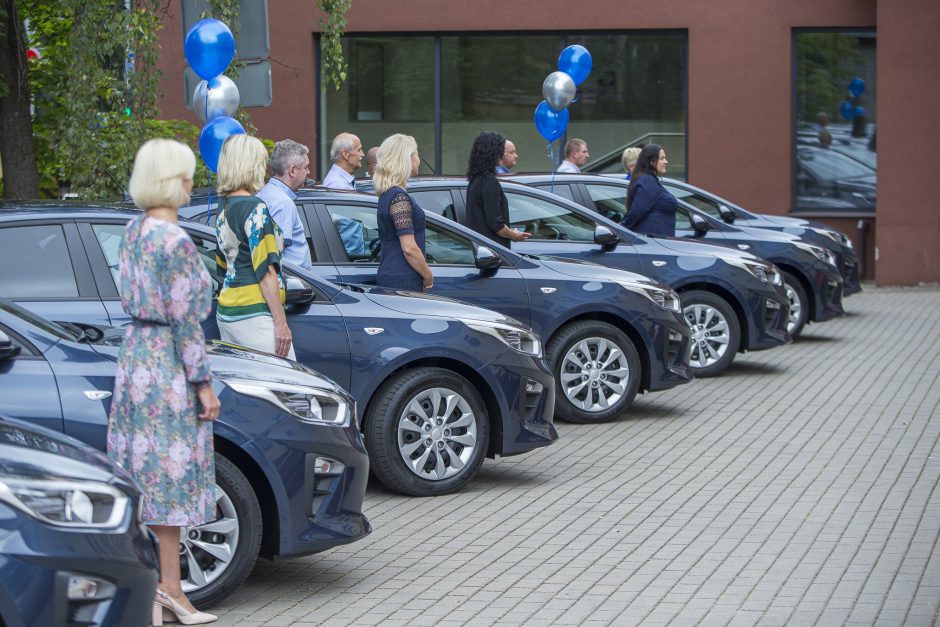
{"x": 153, "y": 431}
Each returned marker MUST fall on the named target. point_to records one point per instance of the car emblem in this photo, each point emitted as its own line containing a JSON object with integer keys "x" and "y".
{"x": 97, "y": 395}
{"x": 743, "y": 246}
{"x": 659, "y": 264}
{"x": 548, "y": 290}
{"x": 374, "y": 330}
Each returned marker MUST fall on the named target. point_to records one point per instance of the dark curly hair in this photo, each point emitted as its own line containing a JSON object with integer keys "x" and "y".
{"x": 645, "y": 164}
{"x": 485, "y": 155}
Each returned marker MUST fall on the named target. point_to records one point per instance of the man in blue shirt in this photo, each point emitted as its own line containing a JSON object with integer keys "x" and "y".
{"x": 346, "y": 154}
{"x": 290, "y": 165}
{"x": 509, "y": 159}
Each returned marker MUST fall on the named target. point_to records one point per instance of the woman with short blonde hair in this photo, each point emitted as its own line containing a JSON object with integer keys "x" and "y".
{"x": 629, "y": 157}
{"x": 159, "y": 172}
{"x": 251, "y": 304}
{"x": 243, "y": 163}
{"x": 400, "y": 219}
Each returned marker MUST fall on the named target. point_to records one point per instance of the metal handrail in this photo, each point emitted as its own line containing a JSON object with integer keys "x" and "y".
{"x": 635, "y": 140}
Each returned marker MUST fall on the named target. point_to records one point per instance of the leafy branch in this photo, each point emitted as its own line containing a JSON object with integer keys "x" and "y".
{"x": 333, "y": 27}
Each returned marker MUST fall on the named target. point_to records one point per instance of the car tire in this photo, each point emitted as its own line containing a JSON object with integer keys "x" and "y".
{"x": 238, "y": 514}
{"x": 799, "y": 305}
{"x": 716, "y": 333}
{"x": 587, "y": 390}
{"x": 427, "y": 432}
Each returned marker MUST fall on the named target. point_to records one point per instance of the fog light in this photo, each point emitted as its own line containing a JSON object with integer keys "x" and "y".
{"x": 327, "y": 466}
{"x": 533, "y": 387}
{"x": 772, "y": 304}
{"x": 82, "y": 588}
{"x": 675, "y": 336}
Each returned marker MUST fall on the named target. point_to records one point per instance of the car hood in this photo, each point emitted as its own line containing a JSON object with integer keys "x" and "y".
{"x": 588, "y": 270}
{"x": 689, "y": 247}
{"x": 229, "y": 360}
{"x": 430, "y": 305}
{"x": 28, "y": 450}
{"x": 766, "y": 234}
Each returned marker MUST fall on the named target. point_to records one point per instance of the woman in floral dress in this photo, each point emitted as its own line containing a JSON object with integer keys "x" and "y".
{"x": 160, "y": 427}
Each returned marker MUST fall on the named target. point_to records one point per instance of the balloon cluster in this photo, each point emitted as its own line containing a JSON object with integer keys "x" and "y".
{"x": 560, "y": 89}
{"x": 209, "y": 48}
{"x": 850, "y": 109}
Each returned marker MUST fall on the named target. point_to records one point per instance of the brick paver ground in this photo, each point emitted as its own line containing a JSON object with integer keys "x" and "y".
{"x": 798, "y": 489}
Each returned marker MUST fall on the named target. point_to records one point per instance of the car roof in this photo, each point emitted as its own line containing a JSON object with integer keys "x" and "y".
{"x": 31, "y": 209}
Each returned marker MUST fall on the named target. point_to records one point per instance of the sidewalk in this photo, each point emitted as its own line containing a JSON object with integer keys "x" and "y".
{"x": 798, "y": 489}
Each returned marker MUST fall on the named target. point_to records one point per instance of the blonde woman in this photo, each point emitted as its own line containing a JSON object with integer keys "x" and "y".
{"x": 400, "y": 219}
{"x": 629, "y": 157}
{"x": 160, "y": 426}
{"x": 251, "y": 303}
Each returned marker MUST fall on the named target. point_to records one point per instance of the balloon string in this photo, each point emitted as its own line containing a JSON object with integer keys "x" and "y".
{"x": 209, "y": 201}
{"x": 550, "y": 152}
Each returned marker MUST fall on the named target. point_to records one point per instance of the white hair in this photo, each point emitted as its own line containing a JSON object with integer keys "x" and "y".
{"x": 160, "y": 167}
{"x": 343, "y": 141}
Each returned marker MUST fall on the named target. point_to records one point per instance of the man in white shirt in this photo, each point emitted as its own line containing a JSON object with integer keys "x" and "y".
{"x": 508, "y": 162}
{"x": 576, "y": 155}
{"x": 346, "y": 155}
{"x": 290, "y": 165}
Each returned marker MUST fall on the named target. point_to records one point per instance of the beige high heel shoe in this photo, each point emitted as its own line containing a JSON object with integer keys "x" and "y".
{"x": 165, "y": 607}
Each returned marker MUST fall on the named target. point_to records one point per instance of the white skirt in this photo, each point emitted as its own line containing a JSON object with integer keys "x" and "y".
{"x": 256, "y": 332}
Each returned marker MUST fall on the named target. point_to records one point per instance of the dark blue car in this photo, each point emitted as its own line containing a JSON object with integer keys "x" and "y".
{"x": 72, "y": 549}
{"x": 607, "y": 334}
{"x": 291, "y": 468}
{"x": 414, "y": 364}
{"x": 732, "y": 300}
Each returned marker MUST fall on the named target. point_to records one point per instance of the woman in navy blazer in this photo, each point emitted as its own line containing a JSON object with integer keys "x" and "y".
{"x": 651, "y": 209}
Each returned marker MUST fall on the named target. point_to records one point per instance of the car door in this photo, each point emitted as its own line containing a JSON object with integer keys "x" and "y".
{"x": 320, "y": 338}
{"x": 558, "y": 230}
{"x": 27, "y": 384}
{"x": 450, "y": 253}
{"x": 43, "y": 268}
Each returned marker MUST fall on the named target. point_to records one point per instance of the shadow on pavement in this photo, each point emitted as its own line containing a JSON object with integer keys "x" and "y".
{"x": 753, "y": 367}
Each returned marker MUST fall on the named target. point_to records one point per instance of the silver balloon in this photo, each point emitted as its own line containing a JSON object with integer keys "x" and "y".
{"x": 559, "y": 90}
{"x": 222, "y": 95}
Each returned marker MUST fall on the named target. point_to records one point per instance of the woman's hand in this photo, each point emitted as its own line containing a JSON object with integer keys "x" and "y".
{"x": 518, "y": 236}
{"x": 428, "y": 281}
{"x": 209, "y": 403}
{"x": 282, "y": 338}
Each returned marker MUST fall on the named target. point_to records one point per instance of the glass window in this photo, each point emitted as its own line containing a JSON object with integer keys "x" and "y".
{"x": 545, "y": 220}
{"x": 836, "y": 165}
{"x": 559, "y": 190}
{"x": 35, "y": 263}
{"x": 683, "y": 221}
{"x": 390, "y": 90}
{"x": 609, "y": 200}
{"x": 439, "y": 201}
{"x": 698, "y": 201}
{"x": 444, "y": 247}
{"x": 358, "y": 229}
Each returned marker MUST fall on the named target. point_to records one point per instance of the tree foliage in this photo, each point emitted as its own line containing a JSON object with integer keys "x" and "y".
{"x": 826, "y": 62}
{"x": 333, "y": 26}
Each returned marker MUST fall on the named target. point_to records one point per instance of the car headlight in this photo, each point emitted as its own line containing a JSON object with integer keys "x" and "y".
{"x": 66, "y": 503}
{"x": 836, "y": 236}
{"x": 765, "y": 272}
{"x": 308, "y": 404}
{"x": 516, "y": 338}
{"x": 664, "y": 297}
{"x": 817, "y": 251}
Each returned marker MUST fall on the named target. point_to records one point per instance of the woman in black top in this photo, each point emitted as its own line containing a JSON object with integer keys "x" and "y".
{"x": 651, "y": 209}
{"x": 487, "y": 206}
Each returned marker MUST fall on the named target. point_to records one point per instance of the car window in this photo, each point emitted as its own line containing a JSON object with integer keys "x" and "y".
{"x": 358, "y": 229}
{"x": 444, "y": 247}
{"x": 609, "y": 200}
{"x": 698, "y": 201}
{"x": 438, "y": 201}
{"x": 35, "y": 263}
{"x": 830, "y": 166}
{"x": 561, "y": 190}
{"x": 110, "y": 237}
{"x": 683, "y": 221}
{"x": 544, "y": 220}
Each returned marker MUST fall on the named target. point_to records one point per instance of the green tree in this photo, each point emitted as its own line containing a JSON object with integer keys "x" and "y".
{"x": 825, "y": 64}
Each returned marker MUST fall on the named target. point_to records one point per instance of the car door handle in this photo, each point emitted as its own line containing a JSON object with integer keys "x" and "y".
{"x": 659, "y": 264}
{"x": 97, "y": 395}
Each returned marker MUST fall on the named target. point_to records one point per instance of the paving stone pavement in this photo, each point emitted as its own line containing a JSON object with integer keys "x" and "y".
{"x": 800, "y": 488}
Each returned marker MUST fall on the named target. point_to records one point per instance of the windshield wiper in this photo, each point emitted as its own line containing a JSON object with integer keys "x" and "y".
{"x": 82, "y": 336}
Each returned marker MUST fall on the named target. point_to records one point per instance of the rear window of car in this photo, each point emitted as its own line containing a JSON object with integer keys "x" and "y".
{"x": 35, "y": 263}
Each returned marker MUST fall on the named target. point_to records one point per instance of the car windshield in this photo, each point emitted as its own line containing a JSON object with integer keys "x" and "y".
{"x": 46, "y": 325}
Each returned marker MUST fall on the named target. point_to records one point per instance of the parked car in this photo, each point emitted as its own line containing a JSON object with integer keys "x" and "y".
{"x": 72, "y": 548}
{"x": 291, "y": 469}
{"x": 813, "y": 232}
{"x": 811, "y": 278}
{"x": 607, "y": 334}
{"x": 831, "y": 174}
{"x": 394, "y": 353}
{"x": 733, "y": 301}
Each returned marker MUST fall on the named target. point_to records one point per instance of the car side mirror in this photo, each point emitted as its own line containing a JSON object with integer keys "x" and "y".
{"x": 8, "y": 350}
{"x": 485, "y": 258}
{"x": 298, "y": 291}
{"x": 727, "y": 214}
{"x": 605, "y": 237}
{"x": 699, "y": 224}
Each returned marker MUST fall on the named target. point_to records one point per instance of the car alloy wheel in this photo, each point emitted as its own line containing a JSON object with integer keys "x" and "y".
{"x": 427, "y": 432}
{"x": 597, "y": 370}
{"x": 798, "y": 304}
{"x": 715, "y": 332}
{"x": 207, "y": 550}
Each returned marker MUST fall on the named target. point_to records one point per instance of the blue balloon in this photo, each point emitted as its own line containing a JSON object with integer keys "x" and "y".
{"x": 575, "y": 61}
{"x": 847, "y": 110}
{"x": 859, "y": 111}
{"x": 212, "y": 137}
{"x": 209, "y": 47}
{"x": 550, "y": 124}
{"x": 856, "y": 87}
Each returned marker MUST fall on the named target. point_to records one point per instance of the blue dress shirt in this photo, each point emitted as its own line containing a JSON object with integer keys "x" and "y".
{"x": 350, "y": 231}
{"x": 280, "y": 201}
{"x": 338, "y": 178}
